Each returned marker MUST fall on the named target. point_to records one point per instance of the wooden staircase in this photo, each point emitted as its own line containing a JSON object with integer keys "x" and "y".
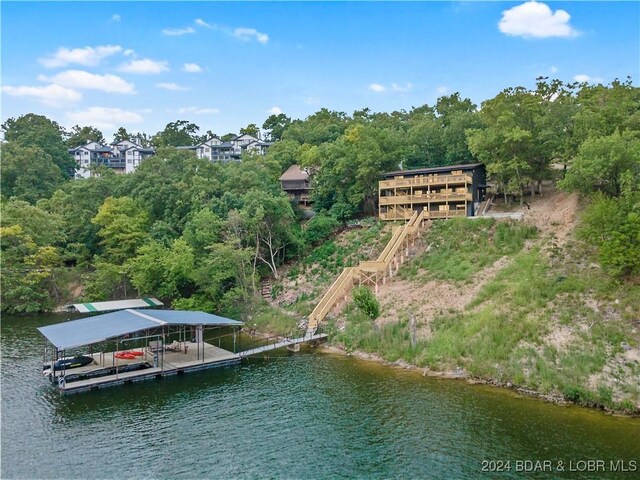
{"x": 387, "y": 264}
{"x": 265, "y": 290}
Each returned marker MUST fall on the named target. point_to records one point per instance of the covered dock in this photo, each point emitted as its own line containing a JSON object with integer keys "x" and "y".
{"x": 132, "y": 345}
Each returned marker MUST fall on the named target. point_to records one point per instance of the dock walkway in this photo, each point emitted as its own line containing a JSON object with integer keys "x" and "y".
{"x": 177, "y": 362}
{"x": 287, "y": 342}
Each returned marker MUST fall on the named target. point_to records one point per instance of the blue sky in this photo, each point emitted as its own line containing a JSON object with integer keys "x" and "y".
{"x": 225, "y": 65}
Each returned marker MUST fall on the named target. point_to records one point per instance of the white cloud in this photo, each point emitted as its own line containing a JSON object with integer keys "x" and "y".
{"x": 376, "y": 87}
{"x": 103, "y": 117}
{"x": 51, "y": 95}
{"x": 129, "y": 53}
{"x": 583, "y": 78}
{"x": 88, "y": 56}
{"x": 200, "y": 22}
{"x": 191, "y": 68}
{"x": 175, "y": 32}
{"x": 198, "y": 110}
{"x": 90, "y": 81}
{"x": 144, "y": 65}
{"x": 115, "y": 17}
{"x": 247, "y": 34}
{"x": 553, "y": 69}
{"x": 401, "y": 89}
{"x": 442, "y": 90}
{"x": 311, "y": 100}
{"x": 275, "y": 111}
{"x": 536, "y": 20}
{"x": 172, "y": 86}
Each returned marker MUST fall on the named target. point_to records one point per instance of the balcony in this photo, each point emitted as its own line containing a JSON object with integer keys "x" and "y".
{"x": 426, "y": 198}
{"x": 423, "y": 181}
{"x": 407, "y": 214}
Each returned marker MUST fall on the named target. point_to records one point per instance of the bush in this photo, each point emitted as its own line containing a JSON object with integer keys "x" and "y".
{"x": 366, "y": 301}
{"x": 319, "y": 228}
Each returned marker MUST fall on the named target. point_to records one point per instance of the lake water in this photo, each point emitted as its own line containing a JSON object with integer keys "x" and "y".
{"x": 304, "y": 415}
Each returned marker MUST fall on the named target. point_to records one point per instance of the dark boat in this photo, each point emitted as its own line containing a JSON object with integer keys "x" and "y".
{"x": 69, "y": 362}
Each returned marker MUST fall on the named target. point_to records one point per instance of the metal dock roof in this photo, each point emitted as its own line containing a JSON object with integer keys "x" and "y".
{"x": 117, "y": 305}
{"x": 98, "y": 328}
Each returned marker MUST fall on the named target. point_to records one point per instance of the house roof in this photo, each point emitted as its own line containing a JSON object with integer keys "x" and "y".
{"x": 294, "y": 172}
{"x": 90, "y": 330}
{"x": 423, "y": 171}
{"x": 260, "y": 143}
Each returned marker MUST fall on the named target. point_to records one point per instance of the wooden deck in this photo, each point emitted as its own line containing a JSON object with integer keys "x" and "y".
{"x": 169, "y": 363}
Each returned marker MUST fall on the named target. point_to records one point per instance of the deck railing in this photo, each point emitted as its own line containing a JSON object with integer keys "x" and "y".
{"x": 420, "y": 181}
{"x": 425, "y": 198}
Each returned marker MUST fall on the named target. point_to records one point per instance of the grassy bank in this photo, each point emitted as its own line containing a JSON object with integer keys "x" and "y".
{"x": 550, "y": 320}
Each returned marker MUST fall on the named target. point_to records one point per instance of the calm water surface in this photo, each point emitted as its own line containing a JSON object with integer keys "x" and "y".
{"x": 305, "y": 415}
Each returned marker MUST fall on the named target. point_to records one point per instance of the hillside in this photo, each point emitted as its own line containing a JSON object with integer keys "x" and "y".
{"x": 519, "y": 304}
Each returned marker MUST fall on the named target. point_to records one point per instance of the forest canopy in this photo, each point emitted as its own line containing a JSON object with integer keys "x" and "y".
{"x": 203, "y": 234}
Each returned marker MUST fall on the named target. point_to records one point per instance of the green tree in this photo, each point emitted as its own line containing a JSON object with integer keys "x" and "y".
{"x": 275, "y": 125}
{"x": 33, "y": 130}
{"x": 510, "y": 144}
{"x": 602, "y": 163}
{"x": 43, "y": 227}
{"x": 251, "y": 129}
{"x": 323, "y": 126}
{"x": 163, "y": 271}
{"x": 82, "y": 135}
{"x": 178, "y": 133}
{"x": 203, "y": 229}
{"x": 607, "y": 108}
{"x": 172, "y": 184}
{"x": 122, "y": 134}
{"x": 28, "y": 272}
{"x": 28, "y": 173}
{"x": 123, "y": 228}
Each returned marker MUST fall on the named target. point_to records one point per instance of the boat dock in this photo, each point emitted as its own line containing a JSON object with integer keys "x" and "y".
{"x": 108, "y": 370}
{"x": 156, "y": 346}
{"x": 175, "y": 362}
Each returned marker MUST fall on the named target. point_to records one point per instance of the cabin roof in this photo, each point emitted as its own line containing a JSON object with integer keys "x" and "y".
{"x": 423, "y": 171}
{"x": 98, "y": 328}
{"x": 294, "y": 172}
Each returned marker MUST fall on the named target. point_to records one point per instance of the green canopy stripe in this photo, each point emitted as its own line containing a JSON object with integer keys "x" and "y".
{"x": 90, "y": 307}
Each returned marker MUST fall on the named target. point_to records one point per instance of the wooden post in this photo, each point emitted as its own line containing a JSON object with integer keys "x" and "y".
{"x": 412, "y": 331}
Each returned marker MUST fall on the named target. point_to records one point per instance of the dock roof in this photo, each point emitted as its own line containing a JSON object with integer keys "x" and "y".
{"x": 98, "y": 328}
{"x": 117, "y": 305}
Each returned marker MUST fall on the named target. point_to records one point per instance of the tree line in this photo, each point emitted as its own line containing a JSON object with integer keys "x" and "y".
{"x": 203, "y": 234}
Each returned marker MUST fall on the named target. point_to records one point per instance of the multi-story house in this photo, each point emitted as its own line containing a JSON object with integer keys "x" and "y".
{"x": 216, "y": 150}
{"x": 442, "y": 192}
{"x": 122, "y": 157}
{"x": 296, "y": 182}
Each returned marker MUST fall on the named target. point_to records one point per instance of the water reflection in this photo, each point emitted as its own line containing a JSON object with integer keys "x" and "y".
{"x": 306, "y": 415}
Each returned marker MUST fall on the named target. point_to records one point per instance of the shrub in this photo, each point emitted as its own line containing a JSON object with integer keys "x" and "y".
{"x": 366, "y": 301}
{"x": 319, "y": 228}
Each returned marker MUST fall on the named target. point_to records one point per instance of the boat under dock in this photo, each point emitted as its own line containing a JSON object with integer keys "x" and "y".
{"x": 108, "y": 370}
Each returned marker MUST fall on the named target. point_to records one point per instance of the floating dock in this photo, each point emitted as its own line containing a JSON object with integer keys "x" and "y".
{"x": 160, "y": 347}
{"x": 108, "y": 370}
